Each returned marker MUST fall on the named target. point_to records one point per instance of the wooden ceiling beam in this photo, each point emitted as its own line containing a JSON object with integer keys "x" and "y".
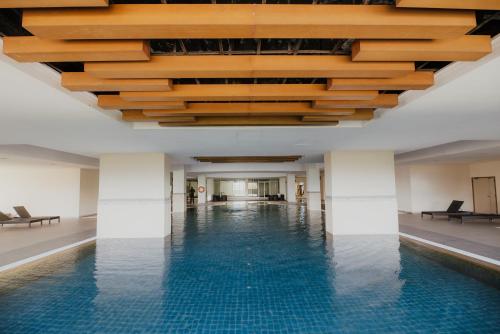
{"x": 248, "y": 159}
{"x": 186, "y": 21}
{"x": 139, "y": 116}
{"x": 250, "y": 92}
{"x": 248, "y": 67}
{"x": 249, "y": 109}
{"x": 416, "y": 80}
{"x": 81, "y": 81}
{"x": 463, "y": 48}
{"x": 180, "y": 119}
{"x": 52, "y": 3}
{"x": 382, "y": 101}
{"x": 116, "y": 102}
{"x": 450, "y": 4}
{"x": 319, "y": 118}
{"x": 247, "y": 121}
{"x": 35, "y": 49}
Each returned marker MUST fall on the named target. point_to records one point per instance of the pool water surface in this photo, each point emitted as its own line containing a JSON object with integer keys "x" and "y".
{"x": 246, "y": 268}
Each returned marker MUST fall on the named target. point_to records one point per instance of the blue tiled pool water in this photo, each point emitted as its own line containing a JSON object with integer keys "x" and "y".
{"x": 246, "y": 268}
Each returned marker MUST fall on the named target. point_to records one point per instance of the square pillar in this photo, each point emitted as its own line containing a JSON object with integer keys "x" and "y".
{"x": 210, "y": 189}
{"x": 360, "y": 193}
{"x": 178, "y": 190}
{"x": 291, "y": 188}
{"x": 282, "y": 186}
{"x": 134, "y": 196}
{"x": 313, "y": 188}
{"x": 202, "y": 185}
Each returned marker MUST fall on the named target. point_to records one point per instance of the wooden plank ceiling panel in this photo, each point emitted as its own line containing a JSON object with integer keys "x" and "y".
{"x": 239, "y": 159}
{"x": 248, "y": 67}
{"x": 163, "y": 21}
{"x": 319, "y": 118}
{"x": 451, "y": 4}
{"x": 248, "y": 109}
{"x": 35, "y": 49}
{"x": 247, "y": 121}
{"x": 382, "y": 101}
{"x": 180, "y": 119}
{"x": 52, "y": 3}
{"x": 116, "y": 102}
{"x": 250, "y": 92}
{"x": 81, "y": 81}
{"x": 464, "y": 48}
{"x": 416, "y": 80}
{"x": 138, "y": 116}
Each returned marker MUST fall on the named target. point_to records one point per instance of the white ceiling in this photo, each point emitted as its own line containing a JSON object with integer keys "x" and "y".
{"x": 34, "y": 110}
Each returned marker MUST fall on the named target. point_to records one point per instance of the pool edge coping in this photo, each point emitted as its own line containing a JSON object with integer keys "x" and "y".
{"x": 456, "y": 252}
{"x": 43, "y": 255}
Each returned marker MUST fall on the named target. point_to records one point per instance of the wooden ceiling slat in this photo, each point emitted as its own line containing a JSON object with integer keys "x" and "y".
{"x": 249, "y": 67}
{"x": 139, "y": 116}
{"x": 319, "y": 118}
{"x": 416, "y": 80}
{"x": 451, "y": 4}
{"x": 249, "y": 109}
{"x": 382, "y": 101}
{"x": 249, "y": 159}
{"x": 116, "y": 102}
{"x": 81, "y": 81}
{"x": 180, "y": 119}
{"x": 35, "y": 49}
{"x": 463, "y": 48}
{"x": 247, "y": 121}
{"x": 52, "y": 3}
{"x": 250, "y": 92}
{"x": 163, "y": 21}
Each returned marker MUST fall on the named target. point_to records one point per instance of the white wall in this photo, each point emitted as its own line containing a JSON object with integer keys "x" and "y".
{"x": 433, "y": 187}
{"x": 89, "y": 191}
{"x": 484, "y": 169}
{"x": 42, "y": 189}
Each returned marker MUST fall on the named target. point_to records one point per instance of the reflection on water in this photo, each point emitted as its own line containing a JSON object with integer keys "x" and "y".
{"x": 363, "y": 263}
{"x": 247, "y": 268}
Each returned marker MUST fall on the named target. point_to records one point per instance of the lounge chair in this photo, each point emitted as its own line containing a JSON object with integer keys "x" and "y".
{"x": 6, "y": 220}
{"x": 474, "y": 216}
{"x": 453, "y": 208}
{"x": 23, "y": 213}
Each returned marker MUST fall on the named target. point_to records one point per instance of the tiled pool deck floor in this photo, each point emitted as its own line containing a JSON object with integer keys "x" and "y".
{"x": 478, "y": 237}
{"x": 20, "y": 242}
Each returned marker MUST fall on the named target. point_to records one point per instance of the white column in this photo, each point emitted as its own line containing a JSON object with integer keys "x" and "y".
{"x": 291, "y": 188}
{"x": 134, "y": 196}
{"x": 178, "y": 189}
{"x": 210, "y": 189}
{"x": 202, "y": 182}
{"x": 360, "y": 193}
{"x": 313, "y": 189}
{"x": 282, "y": 186}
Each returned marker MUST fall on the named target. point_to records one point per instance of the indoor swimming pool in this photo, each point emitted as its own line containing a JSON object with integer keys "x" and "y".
{"x": 245, "y": 268}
